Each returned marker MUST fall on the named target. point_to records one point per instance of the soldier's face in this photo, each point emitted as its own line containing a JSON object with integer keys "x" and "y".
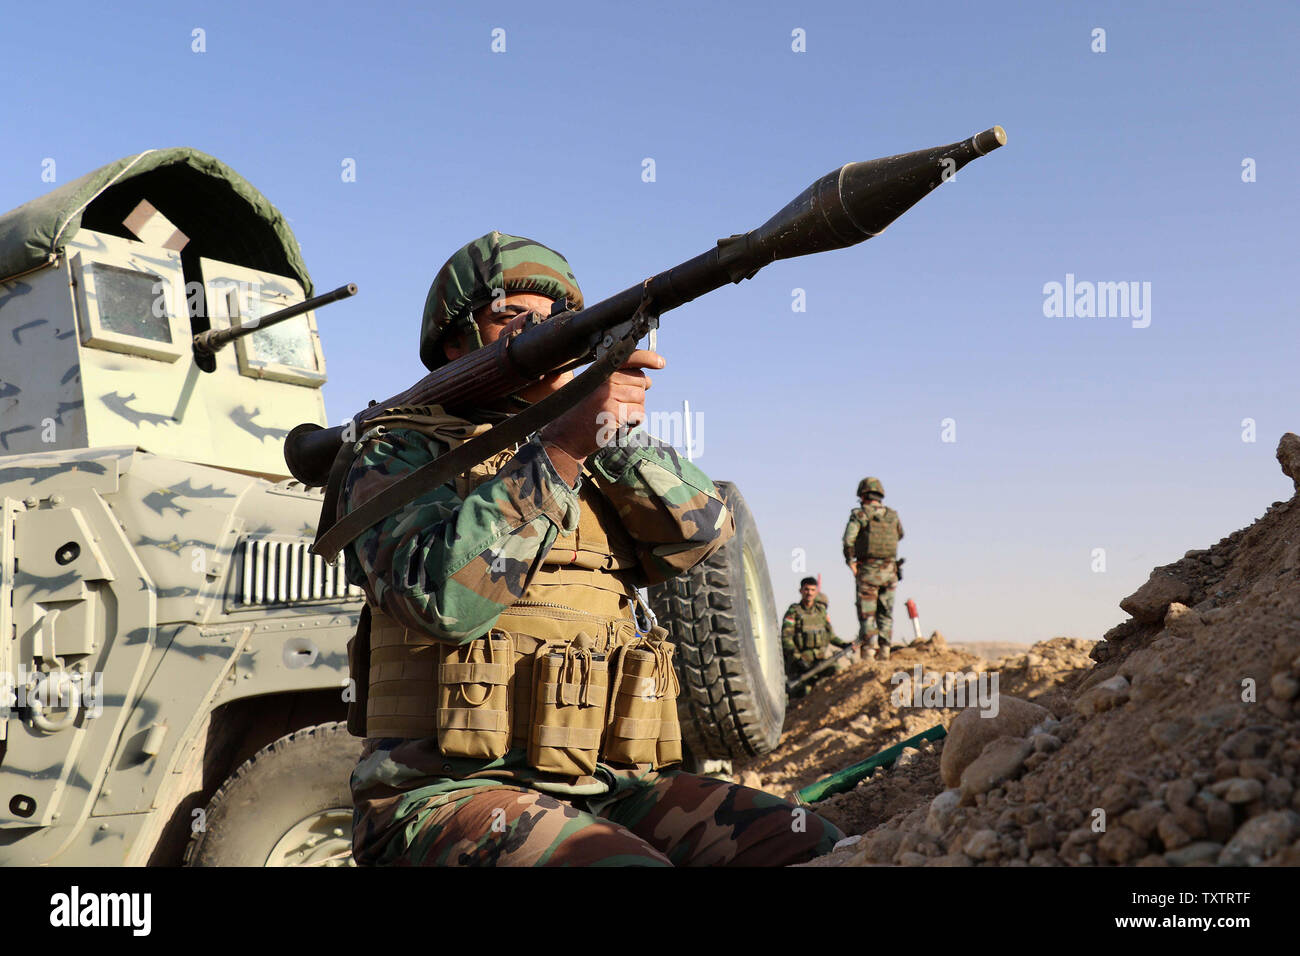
{"x": 809, "y": 592}
{"x": 502, "y": 316}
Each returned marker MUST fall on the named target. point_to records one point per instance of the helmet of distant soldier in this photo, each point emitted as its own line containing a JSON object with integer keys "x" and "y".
{"x": 871, "y": 488}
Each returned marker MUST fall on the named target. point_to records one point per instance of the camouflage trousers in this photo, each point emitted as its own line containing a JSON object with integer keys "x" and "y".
{"x": 649, "y": 819}
{"x": 875, "y": 607}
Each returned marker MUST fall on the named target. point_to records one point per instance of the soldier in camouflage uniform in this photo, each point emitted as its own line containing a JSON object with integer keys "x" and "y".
{"x": 528, "y": 565}
{"x": 807, "y": 635}
{"x": 871, "y": 550}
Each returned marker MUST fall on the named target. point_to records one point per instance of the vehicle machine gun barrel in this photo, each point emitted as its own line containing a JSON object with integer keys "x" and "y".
{"x": 214, "y": 340}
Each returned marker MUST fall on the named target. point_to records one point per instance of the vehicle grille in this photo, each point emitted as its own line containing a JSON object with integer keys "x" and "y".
{"x": 284, "y": 572}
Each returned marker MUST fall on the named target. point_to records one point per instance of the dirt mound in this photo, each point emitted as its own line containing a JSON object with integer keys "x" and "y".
{"x": 1047, "y": 671}
{"x": 849, "y": 716}
{"x": 990, "y": 650}
{"x": 854, "y": 714}
{"x": 1180, "y": 746}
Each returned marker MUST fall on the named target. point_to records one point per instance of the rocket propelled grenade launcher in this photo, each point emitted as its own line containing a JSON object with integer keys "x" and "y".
{"x": 842, "y": 208}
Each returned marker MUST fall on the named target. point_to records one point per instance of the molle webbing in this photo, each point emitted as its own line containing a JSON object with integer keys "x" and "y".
{"x": 812, "y": 639}
{"x": 541, "y": 678}
{"x": 879, "y": 535}
{"x": 592, "y": 689}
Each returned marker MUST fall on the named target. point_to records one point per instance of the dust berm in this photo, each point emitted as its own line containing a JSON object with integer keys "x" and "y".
{"x": 1173, "y": 741}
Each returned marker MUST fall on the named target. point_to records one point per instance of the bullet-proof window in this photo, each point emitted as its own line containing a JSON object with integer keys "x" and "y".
{"x": 289, "y": 343}
{"x": 130, "y": 296}
{"x": 286, "y": 351}
{"x": 126, "y": 303}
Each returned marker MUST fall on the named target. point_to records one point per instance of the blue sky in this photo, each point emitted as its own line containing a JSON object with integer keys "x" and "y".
{"x": 1071, "y": 434}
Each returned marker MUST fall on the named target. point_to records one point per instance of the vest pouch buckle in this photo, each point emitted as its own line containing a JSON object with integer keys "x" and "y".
{"x": 473, "y": 697}
{"x": 571, "y": 690}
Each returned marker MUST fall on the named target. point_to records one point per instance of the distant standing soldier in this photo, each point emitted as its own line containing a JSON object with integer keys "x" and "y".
{"x": 806, "y": 633}
{"x": 871, "y": 550}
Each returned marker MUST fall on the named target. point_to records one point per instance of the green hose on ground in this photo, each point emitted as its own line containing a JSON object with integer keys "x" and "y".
{"x": 850, "y": 777}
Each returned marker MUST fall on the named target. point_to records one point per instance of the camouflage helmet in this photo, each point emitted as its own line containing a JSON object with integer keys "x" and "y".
{"x": 870, "y": 486}
{"x": 468, "y": 280}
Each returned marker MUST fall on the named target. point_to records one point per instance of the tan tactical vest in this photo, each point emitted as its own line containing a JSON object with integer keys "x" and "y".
{"x": 563, "y": 672}
{"x": 879, "y": 536}
{"x": 810, "y": 632}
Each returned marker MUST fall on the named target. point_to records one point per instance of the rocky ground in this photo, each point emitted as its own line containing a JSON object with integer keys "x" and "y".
{"x": 1177, "y": 743}
{"x": 990, "y": 650}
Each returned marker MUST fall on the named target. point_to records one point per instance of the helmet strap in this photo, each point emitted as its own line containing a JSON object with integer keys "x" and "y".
{"x": 469, "y": 329}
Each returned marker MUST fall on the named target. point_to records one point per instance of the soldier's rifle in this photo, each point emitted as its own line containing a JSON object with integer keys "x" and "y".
{"x": 814, "y": 671}
{"x": 846, "y": 206}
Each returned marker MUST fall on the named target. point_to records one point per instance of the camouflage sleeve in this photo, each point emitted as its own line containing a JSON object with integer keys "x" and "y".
{"x": 898, "y": 522}
{"x": 448, "y": 566}
{"x": 668, "y": 506}
{"x": 851, "y": 536}
{"x": 787, "y": 630}
{"x": 830, "y": 631}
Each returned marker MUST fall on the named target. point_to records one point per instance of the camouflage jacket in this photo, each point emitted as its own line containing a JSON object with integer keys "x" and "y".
{"x": 877, "y": 571}
{"x": 805, "y": 632}
{"x": 450, "y": 565}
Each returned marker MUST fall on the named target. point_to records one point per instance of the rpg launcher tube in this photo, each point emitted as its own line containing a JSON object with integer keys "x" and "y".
{"x": 843, "y": 208}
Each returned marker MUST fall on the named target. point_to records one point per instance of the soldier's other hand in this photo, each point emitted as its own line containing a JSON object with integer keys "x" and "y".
{"x": 618, "y": 404}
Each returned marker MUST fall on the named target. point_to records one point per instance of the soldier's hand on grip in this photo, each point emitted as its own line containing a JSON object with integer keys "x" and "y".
{"x": 597, "y": 420}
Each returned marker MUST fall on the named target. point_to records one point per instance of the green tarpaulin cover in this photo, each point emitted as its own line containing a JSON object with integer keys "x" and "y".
{"x": 225, "y": 217}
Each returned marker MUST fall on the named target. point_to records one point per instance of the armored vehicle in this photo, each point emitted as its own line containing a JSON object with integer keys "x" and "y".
{"x": 173, "y": 670}
{"x": 172, "y": 659}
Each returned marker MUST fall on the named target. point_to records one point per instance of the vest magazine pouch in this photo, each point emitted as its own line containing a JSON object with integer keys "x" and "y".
{"x": 669, "y": 748}
{"x": 359, "y": 673}
{"x": 634, "y": 719}
{"x": 473, "y": 697}
{"x": 570, "y": 693}
{"x": 643, "y": 727}
{"x": 814, "y": 640}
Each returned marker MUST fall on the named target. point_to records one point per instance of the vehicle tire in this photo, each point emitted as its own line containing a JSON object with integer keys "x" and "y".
{"x": 722, "y": 618}
{"x": 288, "y": 805}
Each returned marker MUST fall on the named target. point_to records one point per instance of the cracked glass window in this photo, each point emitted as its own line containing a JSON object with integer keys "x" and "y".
{"x": 126, "y": 303}
{"x": 288, "y": 343}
